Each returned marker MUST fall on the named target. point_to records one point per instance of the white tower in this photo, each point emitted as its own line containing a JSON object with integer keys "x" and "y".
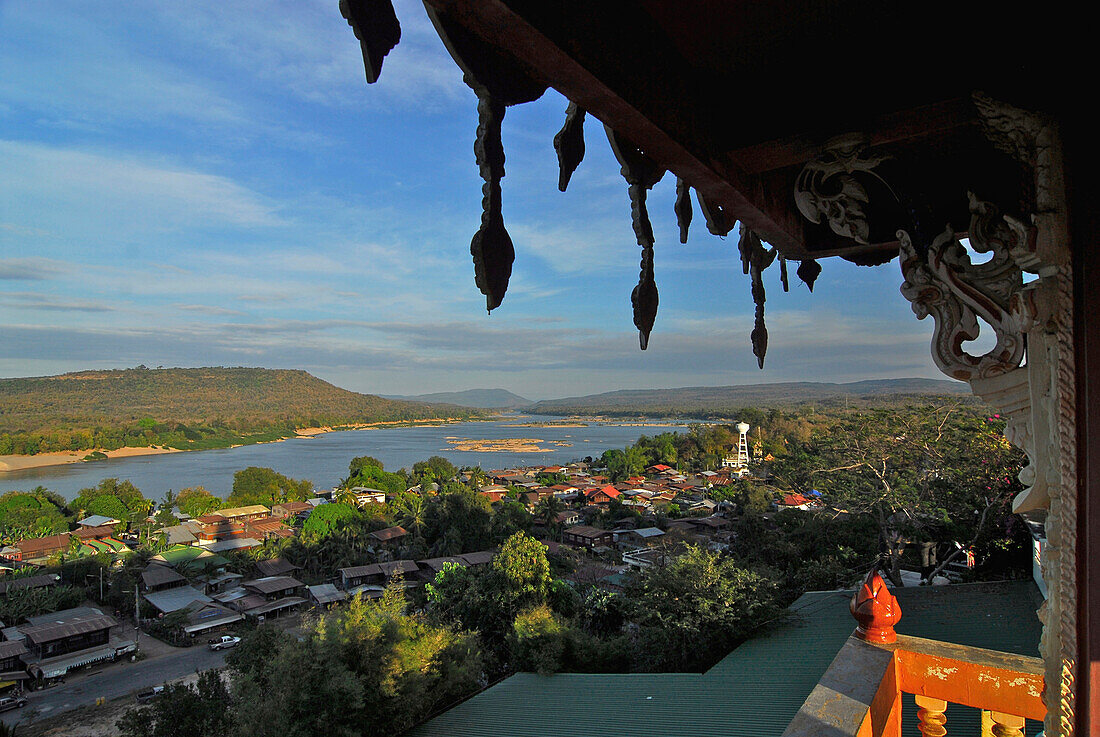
{"x": 743, "y": 444}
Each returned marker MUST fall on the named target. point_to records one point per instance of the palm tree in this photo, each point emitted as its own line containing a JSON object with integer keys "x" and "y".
{"x": 411, "y": 509}
{"x": 345, "y": 495}
{"x": 548, "y": 509}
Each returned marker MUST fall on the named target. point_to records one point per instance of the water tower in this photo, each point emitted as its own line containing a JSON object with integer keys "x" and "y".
{"x": 742, "y": 444}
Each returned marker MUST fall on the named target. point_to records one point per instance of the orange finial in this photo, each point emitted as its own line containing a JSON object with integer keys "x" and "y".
{"x": 876, "y": 610}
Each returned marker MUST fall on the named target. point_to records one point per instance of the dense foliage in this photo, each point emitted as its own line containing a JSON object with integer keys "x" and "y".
{"x": 36, "y": 513}
{"x": 183, "y": 710}
{"x": 119, "y": 500}
{"x": 184, "y": 408}
{"x": 368, "y": 668}
{"x": 255, "y": 485}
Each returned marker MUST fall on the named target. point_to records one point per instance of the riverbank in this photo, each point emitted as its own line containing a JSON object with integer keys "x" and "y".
{"x": 10, "y": 463}
{"x": 42, "y": 460}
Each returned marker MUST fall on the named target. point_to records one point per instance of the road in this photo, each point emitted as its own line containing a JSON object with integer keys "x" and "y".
{"x": 118, "y": 679}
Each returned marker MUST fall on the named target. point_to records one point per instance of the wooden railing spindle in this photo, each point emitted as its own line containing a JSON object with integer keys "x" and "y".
{"x": 931, "y": 717}
{"x": 1007, "y": 725}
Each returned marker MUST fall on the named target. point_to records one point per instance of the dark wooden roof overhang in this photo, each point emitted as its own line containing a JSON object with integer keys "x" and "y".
{"x": 736, "y": 97}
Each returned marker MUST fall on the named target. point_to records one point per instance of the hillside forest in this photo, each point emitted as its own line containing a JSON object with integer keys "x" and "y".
{"x": 186, "y": 409}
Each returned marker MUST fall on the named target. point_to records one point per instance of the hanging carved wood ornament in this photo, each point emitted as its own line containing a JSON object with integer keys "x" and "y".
{"x": 641, "y": 173}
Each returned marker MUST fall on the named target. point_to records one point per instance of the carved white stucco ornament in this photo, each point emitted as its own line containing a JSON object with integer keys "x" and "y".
{"x": 944, "y": 283}
{"x": 827, "y": 190}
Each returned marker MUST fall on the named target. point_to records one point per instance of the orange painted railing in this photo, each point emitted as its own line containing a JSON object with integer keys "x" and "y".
{"x": 861, "y": 692}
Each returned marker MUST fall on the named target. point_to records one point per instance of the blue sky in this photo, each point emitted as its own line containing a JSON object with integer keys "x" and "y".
{"x": 191, "y": 184}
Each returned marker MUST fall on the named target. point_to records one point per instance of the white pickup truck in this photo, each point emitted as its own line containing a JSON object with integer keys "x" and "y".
{"x": 223, "y": 642}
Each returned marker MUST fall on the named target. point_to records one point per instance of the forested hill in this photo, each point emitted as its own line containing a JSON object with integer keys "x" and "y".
{"x": 186, "y": 408}
{"x": 725, "y": 401}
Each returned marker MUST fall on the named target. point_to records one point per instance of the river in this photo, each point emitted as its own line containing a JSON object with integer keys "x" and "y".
{"x": 323, "y": 459}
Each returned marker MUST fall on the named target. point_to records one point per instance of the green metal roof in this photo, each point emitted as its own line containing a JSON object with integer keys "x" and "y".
{"x": 186, "y": 556}
{"x": 755, "y": 690}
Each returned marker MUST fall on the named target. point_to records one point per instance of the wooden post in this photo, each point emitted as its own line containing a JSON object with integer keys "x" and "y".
{"x": 1007, "y": 725}
{"x": 930, "y": 716}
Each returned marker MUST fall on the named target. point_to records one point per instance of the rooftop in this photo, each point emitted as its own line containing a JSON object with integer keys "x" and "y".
{"x": 754, "y": 691}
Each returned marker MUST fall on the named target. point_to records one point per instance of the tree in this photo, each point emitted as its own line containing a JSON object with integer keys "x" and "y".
{"x": 436, "y": 468}
{"x": 113, "y": 498}
{"x": 255, "y": 485}
{"x": 326, "y": 519}
{"x": 458, "y": 522}
{"x": 197, "y": 501}
{"x": 697, "y": 608}
{"x": 183, "y": 710}
{"x": 525, "y": 570}
{"x": 368, "y": 668}
{"x": 925, "y": 473}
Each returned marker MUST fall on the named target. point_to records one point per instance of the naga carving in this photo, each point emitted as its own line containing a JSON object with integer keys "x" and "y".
{"x": 828, "y": 190}
{"x": 944, "y": 283}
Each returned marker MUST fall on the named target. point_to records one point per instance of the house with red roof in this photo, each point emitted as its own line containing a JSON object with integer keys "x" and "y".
{"x": 602, "y": 495}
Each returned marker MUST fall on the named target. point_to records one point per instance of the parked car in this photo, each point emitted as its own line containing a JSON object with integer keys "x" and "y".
{"x": 149, "y": 694}
{"x": 12, "y": 702}
{"x": 225, "y": 641}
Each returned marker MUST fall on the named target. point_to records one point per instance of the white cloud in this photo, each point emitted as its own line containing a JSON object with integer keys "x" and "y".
{"x": 55, "y": 186}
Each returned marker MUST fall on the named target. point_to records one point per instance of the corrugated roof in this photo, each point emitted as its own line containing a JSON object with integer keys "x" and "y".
{"x": 370, "y": 569}
{"x": 158, "y": 575}
{"x": 275, "y": 567}
{"x": 172, "y": 600}
{"x": 272, "y": 584}
{"x": 48, "y": 632}
{"x": 390, "y": 533}
{"x": 755, "y": 691}
{"x": 11, "y": 649}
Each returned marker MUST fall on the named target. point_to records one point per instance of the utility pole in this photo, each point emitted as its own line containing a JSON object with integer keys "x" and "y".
{"x": 101, "y": 583}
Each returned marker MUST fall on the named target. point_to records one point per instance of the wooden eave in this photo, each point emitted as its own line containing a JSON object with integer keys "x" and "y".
{"x": 735, "y": 97}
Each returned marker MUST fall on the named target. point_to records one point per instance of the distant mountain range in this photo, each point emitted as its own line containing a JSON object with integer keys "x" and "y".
{"x": 478, "y": 398}
{"x": 725, "y": 401}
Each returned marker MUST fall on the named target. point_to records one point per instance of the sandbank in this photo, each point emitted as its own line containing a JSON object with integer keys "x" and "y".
{"x": 42, "y": 460}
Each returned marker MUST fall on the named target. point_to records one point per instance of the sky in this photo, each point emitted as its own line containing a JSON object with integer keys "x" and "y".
{"x": 200, "y": 184}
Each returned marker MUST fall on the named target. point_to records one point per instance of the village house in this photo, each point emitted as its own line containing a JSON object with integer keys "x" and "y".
{"x": 494, "y": 493}
{"x": 642, "y": 537}
{"x": 326, "y": 595}
{"x": 158, "y": 577}
{"x": 12, "y": 668}
{"x": 289, "y": 510}
{"x": 389, "y": 536}
{"x": 796, "y": 501}
{"x": 61, "y": 641}
{"x": 243, "y": 514}
{"x": 568, "y": 517}
{"x": 601, "y": 496}
{"x": 275, "y": 567}
{"x": 587, "y": 537}
{"x": 365, "y": 495}
{"x": 204, "y": 618}
{"x": 38, "y": 550}
{"x": 376, "y": 574}
{"x": 99, "y": 520}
